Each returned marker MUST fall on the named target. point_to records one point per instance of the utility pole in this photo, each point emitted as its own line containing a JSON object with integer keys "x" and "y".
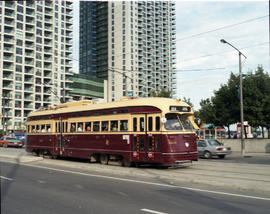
{"x": 241, "y": 96}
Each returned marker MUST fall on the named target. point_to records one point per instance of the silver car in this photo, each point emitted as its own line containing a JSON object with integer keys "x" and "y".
{"x": 211, "y": 147}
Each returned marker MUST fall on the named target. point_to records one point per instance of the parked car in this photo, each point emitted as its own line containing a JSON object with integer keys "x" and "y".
{"x": 10, "y": 141}
{"x": 20, "y": 136}
{"x": 211, "y": 147}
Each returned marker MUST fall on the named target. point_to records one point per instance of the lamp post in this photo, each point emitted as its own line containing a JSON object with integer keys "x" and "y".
{"x": 241, "y": 96}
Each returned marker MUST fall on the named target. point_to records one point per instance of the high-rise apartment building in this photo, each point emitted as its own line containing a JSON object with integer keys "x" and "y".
{"x": 129, "y": 43}
{"x": 35, "y": 57}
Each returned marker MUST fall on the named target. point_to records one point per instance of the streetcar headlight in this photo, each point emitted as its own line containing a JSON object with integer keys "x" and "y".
{"x": 187, "y": 144}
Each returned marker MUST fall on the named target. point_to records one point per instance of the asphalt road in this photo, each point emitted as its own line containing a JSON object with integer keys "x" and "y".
{"x": 33, "y": 189}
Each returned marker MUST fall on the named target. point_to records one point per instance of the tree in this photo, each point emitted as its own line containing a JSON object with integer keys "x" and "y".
{"x": 207, "y": 112}
{"x": 162, "y": 93}
{"x": 256, "y": 89}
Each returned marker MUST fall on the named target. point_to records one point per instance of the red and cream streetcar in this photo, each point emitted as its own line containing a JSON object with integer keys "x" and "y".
{"x": 140, "y": 131}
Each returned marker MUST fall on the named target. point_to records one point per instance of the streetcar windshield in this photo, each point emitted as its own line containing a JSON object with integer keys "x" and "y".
{"x": 177, "y": 122}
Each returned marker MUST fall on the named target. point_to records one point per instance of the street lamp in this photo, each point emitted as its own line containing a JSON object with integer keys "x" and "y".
{"x": 241, "y": 96}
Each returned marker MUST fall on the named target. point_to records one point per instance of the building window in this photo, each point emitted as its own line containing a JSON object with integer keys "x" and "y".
{"x": 19, "y": 51}
{"x": 19, "y": 9}
{"x": 18, "y": 59}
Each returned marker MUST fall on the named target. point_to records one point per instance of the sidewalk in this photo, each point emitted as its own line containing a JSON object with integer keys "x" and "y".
{"x": 238, "y": 176}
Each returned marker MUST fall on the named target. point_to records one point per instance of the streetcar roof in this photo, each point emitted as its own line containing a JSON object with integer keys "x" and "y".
{"x": 162, "y": 103}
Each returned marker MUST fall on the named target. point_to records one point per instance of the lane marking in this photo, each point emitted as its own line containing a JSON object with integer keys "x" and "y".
{"x": 149, "y": 183}
{"x": 152, "y": 211}
{"x": 5, "y": 178}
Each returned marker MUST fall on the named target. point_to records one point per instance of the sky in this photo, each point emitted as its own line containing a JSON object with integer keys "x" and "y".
{"x": 203, "y": 62}
{"x": 251, "y": 37}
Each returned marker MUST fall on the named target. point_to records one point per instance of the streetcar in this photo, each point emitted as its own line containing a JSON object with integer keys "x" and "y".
{"x": 132, "y": 131}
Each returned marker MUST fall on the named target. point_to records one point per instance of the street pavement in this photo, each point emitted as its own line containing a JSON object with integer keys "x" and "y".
{"x": 233, "y": 173}
{"x": 32, "y": 189}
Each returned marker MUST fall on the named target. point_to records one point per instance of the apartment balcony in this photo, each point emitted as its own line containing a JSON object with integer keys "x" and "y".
{"x": 69, "y": 22}
{"x": 8, "y": 48}
{"x": 29, "y": 80}
{"x": 48, "y": 4}
{"x": 29, "y": 62}
{"x": 28, "y": 70}
{"x": 29, "y": 54}
{"x": 48, "y": 19}
{"x": 9, "y": 40}
{"x": 47, "y": 66}
{"x": 8, "y": 66}
{"x": 28, "y": 106}
{"x": 48, "y": 28}
{"x": 8, "y": 58}
{"x": 47, "y": 50}
{"x": 48, "y": 75}
{"x": 30, "y": 21}
{"x": 69, "y": 14}
{"x": 9, "y": 30}
{"x": 30, "y": 38}
{"x": 29, "y": 45}
{"x": 28, "y": 98}
{"x": 48, "y": 82}
{"x": 10, "y": 4}
{"x": 47, "y": 42}
{"x": 8, "y": 77}
{"x": 48, "y": 59}
{"x": 69, "y": 35}
{"x": 7, "y": 85}
{"x": 48, "y": 12}
{"x": 68, "y": 49}
{"x": 48, "y": 35}
{"x": 29, "y": 89}
{"x": 47, "y": 100}
{"x": 29, "y": 28}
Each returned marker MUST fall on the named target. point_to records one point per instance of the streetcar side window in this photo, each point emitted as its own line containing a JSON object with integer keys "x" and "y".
{"x": 141, "y": 124}
{"x": 80, "y": 127}
{"x": 87, "y": 126}
{"x": 38, "y": 128}
{"x": 96, "y": 126}
{"x": 114, "y": 125}
{"x": 28, "y": 129}
{"x": 134, "y": 124}
{"x": 48, "y": 128}
{"x": 157, "y": 123}
{"x": 150, "y": 123}
{"x": 123, "y": 125}
{"x": 56, "y": 127}
{"x": 43, "y": 128}
{"x": 73, "y": 127}
{"x": 105, "y": 126}
{"x": 33, "y": 129}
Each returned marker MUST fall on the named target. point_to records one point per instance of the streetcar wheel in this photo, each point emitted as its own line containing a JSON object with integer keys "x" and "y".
{"x": 104, "y": 159}
{"x": 126, "y": 163}
{"x": 221, "y": 156}
{"x": 207, "y": 155}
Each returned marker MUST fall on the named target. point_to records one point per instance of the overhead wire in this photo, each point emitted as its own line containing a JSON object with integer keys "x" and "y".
{"x": 224, "y": 27}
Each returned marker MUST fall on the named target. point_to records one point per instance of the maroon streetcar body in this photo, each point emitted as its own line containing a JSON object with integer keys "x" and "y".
{"x": 135, "y": 131}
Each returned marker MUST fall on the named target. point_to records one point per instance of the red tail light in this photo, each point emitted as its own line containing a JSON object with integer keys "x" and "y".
{"x": 219, "y": 149}
{"x": 229, "y": 148}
